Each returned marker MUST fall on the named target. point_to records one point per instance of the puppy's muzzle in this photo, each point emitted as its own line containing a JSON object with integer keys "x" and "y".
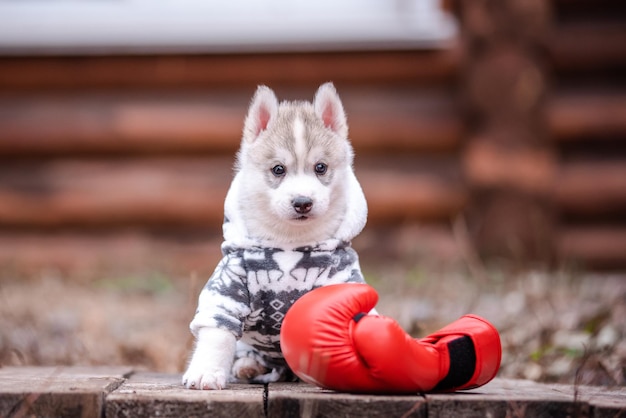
{"x": 302, "y": 204}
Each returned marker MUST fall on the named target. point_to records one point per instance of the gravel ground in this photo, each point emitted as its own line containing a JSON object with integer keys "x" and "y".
{"x": 561, "y": 326}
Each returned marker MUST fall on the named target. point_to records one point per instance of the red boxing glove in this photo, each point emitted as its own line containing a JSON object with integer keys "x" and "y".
{"x": 328, "y": 340}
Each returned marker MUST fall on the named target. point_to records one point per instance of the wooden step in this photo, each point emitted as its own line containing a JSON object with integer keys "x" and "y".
{"x": 66, "y": 391}
{"x": 524, "y": 398}
{"x": 162, "y": 395}
{"x": 587, "y": 115}
{"x": 591, "y": 188}
{"x": 210, "y": 121}
{"x": 57, "y": 391}
{"x": 78, "y": 72}
{"x": 183, "y": 191}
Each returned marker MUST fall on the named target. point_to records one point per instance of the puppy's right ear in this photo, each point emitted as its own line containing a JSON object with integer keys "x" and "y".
{"x": 329, "y": 108}
{"x": 263, "y": 109}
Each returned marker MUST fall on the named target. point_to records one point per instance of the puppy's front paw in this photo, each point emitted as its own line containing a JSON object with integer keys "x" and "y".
{"x": 204, "y": 378}
{"x": 211, "y": 361}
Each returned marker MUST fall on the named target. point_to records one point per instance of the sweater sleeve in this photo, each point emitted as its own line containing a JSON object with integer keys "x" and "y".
{"x": 225, "y": 301}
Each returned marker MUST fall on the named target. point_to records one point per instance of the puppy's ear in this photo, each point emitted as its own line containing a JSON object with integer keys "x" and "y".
{"x": 329, "y": 108}
{"x": 262, "y": 110}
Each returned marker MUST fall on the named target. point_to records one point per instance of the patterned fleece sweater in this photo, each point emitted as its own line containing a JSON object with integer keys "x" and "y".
{"x": 253, "y": 287}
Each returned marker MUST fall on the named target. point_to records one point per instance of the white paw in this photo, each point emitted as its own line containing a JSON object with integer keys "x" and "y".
{"x": 211, "y": 361}
{"x": 247, "y": 368}
{"x": 204, "y": 378}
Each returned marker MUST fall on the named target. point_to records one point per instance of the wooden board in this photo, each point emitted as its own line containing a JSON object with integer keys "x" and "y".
{"x": 293, "y": 400}
{"x": 57, "y": 391}
{"x": 521, "y": 398}
{"x": 117, "y": 392}
{"x": 163, "y": 395}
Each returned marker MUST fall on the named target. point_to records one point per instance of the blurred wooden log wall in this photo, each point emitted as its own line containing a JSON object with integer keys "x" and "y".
{"x": 586, "y": 118}
{"x": 545, "y": 152}
{"x": 122, "y": 157}
{"x": 128, "y": 157}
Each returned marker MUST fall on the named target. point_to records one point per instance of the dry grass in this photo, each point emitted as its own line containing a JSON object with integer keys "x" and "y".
{"x": 140, "y": 321}
{"x": 555, "y": 327}
{"x": 560, "y": 326}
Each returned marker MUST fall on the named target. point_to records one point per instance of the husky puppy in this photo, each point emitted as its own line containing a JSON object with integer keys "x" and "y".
{"x": 291, "y": 211}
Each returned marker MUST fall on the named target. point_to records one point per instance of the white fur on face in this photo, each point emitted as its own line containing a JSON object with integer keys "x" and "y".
{"x": 300, "y": 181}
{"x": 300, "y": 148}
{"x": 268, "y": 209}
{"x": 298, "y": 135}
{"x": 300, "y": 185}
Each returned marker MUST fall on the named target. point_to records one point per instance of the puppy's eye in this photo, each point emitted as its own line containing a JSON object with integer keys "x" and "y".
{"x": 320, "y": 169}
{"x": 278, "y": 170}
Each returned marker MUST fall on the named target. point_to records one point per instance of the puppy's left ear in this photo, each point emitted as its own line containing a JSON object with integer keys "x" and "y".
{"x": 262, "y": 111}
{"x": 329, "y": 108}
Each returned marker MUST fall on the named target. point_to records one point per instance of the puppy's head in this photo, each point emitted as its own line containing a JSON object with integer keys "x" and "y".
{"x": 293, "y": 164}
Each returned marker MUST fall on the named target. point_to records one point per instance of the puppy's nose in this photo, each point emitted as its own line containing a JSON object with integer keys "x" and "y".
{"x": 302, "y": 204}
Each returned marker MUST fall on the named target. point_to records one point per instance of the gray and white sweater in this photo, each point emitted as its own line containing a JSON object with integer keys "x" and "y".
{"x": 253, "y": 287}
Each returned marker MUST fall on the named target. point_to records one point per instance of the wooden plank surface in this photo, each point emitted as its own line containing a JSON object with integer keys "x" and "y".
{"x": 591, "y": 187}
{"x": 604, "y": 402}
{"x": 523, "y": 398}
{"x": 184, "y": 191}
{"x": 154, "y": 394}
{"x": 117, "y": 392}
{"x": 57, "y": 391}
{"x": 210, "y": 121}
{"x": 303, "y": 400}
{"x": 586, "y": 115}
{"x": 396, "y": 67}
